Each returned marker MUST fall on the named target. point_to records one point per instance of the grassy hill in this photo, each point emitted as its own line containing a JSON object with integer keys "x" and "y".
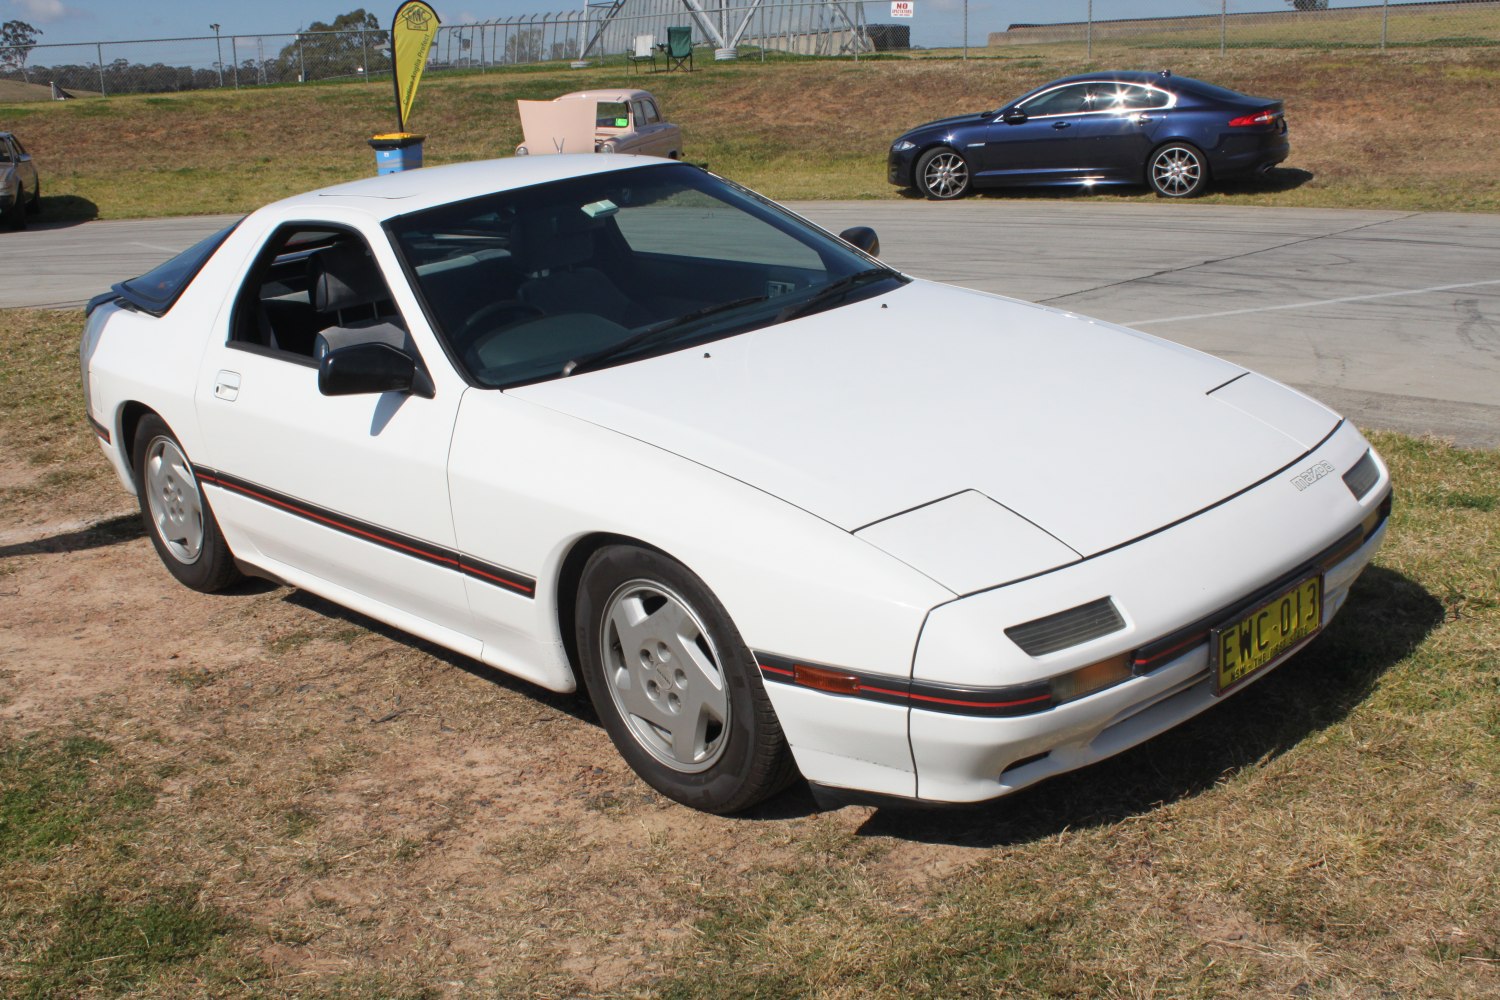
{"x": 1409, "y": 129}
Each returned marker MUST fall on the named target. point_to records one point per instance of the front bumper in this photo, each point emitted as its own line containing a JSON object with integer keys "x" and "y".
{"x": 900, "y": 166}
{"x": 973, "y": 725}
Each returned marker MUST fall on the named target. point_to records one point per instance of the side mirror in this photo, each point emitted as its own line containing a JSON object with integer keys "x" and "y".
{"x": 363, "y": 368}
{"x": 1013, "y": 117}
{"x": 863, "y": 237}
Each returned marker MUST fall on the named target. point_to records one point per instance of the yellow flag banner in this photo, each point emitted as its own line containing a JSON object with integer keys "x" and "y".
{"x": 412, "y": 31}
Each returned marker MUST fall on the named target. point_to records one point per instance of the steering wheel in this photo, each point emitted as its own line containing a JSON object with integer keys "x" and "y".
{"x": 487, "y": 319}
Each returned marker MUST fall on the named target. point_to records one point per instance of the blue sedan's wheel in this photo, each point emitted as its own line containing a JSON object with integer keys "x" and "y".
{"x": 674, "y": 685}
{"x": 1177, "y": 170}
{"x": 942, "y": 174}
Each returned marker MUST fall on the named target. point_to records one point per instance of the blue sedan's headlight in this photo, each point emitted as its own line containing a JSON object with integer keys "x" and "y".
{"x": 901, "y": 145}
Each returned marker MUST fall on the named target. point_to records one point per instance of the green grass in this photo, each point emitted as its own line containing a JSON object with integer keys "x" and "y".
{"x": 73, "y": 807}
{"x": 1332, "y": 831}
{"x": 791, "y": 127}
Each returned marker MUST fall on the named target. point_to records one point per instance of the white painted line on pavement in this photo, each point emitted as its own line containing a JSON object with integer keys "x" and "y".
{"x": 1310, "y": 305}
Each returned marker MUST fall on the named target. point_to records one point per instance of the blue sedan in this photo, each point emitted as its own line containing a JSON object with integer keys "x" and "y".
{"x": 1116, "y": 127}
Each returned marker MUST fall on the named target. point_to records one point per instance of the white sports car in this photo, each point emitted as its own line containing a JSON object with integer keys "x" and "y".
{"x": 778, "y": 507}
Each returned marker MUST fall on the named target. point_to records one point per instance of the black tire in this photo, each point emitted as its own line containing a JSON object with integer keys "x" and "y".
{"x": 1177, "y": 170}
{"x": 942, "y": 174}
{"x": 34, "y": 206}
{"x": 16, "y": 215}
{"x": 682, "y": 664}
{"x": 176, "y": 514}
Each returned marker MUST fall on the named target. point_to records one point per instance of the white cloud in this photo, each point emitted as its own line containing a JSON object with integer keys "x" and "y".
{"x": 42, "y": 10}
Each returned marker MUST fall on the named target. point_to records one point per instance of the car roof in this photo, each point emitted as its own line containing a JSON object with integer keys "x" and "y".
{"x": 384, "y": 197}
{"x": 607, "y": 96}
{"x": 1116, "y": 76}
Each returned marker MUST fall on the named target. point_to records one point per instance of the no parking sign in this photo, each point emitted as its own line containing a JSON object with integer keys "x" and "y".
{"x": 903, "y": 8}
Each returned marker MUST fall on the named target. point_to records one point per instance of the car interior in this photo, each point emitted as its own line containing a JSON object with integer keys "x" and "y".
{"x": 315, "y": 290}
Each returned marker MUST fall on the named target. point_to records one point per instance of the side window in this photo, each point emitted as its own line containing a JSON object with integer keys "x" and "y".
{"x": 314, "y": 288}
{"x": 1068, "y": 100}
{"x": 1131, "y": 97}
{"x": 646, "y": 113}
{"x": 5, "y": 153}
{"x": 20, "y": 149}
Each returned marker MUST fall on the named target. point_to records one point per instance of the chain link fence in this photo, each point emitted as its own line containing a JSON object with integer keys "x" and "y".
{"x": 238, "y": 61}
{"x": 734, "y": 30}
{"x": 1263, "y": 24}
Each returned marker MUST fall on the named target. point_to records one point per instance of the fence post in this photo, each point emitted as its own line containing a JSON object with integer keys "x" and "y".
{"x": 1089, "y": 33}
{"x": 364, "y": 44}
{"x": 1385, "y": 11}
{"x": 1223, "y": 23}
{"x": 234, "y": 53}
{"x": 99, "y": 51}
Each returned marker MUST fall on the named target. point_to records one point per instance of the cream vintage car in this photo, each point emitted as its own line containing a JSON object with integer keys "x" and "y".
{"x": 599, "y": 121}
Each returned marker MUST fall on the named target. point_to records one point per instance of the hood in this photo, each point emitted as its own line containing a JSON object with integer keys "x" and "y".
{"x": 1093, "y": 433}
{"x": 942, "y": 123}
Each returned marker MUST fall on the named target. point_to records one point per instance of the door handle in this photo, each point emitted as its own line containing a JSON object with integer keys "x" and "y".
{"x": 227, "y": 385}
{"x": 1061, "y": 125}
{"x": 1142, "y": 119}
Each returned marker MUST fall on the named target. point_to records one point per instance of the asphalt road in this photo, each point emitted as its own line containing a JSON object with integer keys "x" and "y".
{"x": 1391, "y": 317}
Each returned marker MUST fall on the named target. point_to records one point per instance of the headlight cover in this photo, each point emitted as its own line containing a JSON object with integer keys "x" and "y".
{"x": 902, "y": 145}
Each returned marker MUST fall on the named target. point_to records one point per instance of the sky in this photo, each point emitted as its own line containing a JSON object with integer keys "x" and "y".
{"x": 937, "y": 22}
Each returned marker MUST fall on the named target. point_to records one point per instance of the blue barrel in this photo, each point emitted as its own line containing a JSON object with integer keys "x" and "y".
{"x": 397, "y": 151}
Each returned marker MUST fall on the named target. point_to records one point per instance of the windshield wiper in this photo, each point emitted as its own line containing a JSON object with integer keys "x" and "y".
{"x": 655, "y": 330}
{"x": 833, "y": 290}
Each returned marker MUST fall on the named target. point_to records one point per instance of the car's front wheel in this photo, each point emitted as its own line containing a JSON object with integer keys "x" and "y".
{"x": 942, "y": 174}
{"x": 34, "y": 206}
{"x": 674, "y": 685}
{"x": 177, "y": 517}
{"x": 1177, "y": 170}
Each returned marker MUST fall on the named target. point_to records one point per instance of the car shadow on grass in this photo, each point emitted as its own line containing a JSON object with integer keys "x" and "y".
{"x": 569, "y": 704}
{"x": 61, "y": 210}
{"x": 124, "y": 528}
{"x": 1387, "y": 617}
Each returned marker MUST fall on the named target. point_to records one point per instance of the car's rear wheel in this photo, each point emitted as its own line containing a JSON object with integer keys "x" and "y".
{"x": 1177, "y": 170}
{"x": 674, "y": 685}
{"x": 942, "y": 174}
{"x": 177, "y": 516}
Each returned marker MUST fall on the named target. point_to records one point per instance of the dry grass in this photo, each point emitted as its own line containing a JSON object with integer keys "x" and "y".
{"x": 1406, "y": 129}
{"x": 258, "y": 794}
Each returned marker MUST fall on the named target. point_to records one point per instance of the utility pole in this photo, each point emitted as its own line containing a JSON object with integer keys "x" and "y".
{"x": 218, "y": 48}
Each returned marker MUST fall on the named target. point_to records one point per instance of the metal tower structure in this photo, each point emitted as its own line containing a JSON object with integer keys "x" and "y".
{"x": 811, "y": 27}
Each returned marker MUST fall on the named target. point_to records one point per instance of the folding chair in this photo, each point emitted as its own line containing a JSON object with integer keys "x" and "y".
{"x": 679, "y": 48}
{"x": 645, "y": 51}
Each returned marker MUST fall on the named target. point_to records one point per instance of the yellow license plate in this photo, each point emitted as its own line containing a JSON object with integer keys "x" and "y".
{"x": 1252, "y": 643}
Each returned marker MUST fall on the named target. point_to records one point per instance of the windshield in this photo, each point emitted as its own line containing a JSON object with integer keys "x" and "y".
{"x": 551, "y": 280}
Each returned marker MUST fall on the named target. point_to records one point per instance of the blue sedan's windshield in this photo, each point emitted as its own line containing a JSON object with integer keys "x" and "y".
{"x": 551, "y": 280}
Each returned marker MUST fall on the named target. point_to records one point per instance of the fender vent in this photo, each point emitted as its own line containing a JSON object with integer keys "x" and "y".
{"x": 1067, "y": 628}
{"x": 1363, "y": 477}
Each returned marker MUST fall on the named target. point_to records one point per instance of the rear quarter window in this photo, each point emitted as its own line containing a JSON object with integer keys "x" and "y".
{"x": 159, "y": 288}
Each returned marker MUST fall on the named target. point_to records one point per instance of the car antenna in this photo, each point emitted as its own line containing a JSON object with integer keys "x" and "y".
{"x": 1166, "y": 72}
